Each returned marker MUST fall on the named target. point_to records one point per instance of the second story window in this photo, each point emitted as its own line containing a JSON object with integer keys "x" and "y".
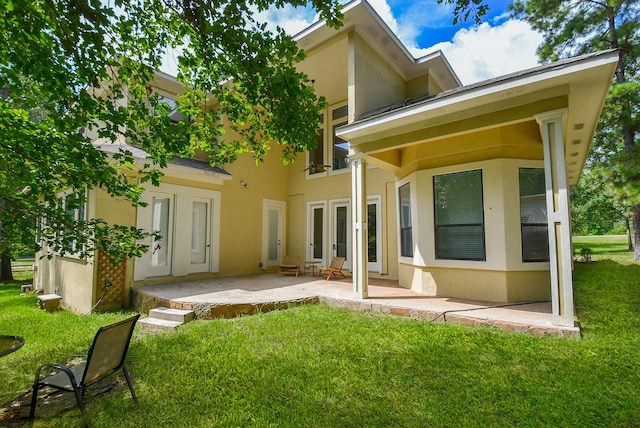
{"x": 316, "y": 156}
{"x": 331, "y": 154}
{"x": 340, "y": 147}
{"x": 174, "y": 115}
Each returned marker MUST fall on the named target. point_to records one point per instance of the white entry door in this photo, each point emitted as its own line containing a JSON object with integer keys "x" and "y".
{"x": 340, "y": 238}
{"x": 273, "y": 237}
{"x": 187, "y": 220}
{"x": 200, "y": 235}
{"x": 316, "y": 232}
{"x": 161, "y": 250}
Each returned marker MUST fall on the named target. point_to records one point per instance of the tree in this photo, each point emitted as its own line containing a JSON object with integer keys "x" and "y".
{"x": 65, "y": 64}
{"x": 572, "y": 27}
{"x": 594, "y": 210}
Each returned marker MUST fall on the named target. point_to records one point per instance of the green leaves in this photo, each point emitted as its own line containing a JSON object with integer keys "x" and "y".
{"x": 576, "y": 27}
{"x": 74, "y": 71}
{"x": 465, "y": 9}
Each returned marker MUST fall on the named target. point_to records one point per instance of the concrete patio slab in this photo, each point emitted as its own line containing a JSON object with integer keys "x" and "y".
{"x": 228, "y": 297}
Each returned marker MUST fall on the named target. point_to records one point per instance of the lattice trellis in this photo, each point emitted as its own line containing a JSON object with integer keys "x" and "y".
{"x": 116, "y": 275}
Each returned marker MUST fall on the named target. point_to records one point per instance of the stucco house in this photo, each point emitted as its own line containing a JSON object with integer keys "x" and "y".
{"x": 458, "y": 191}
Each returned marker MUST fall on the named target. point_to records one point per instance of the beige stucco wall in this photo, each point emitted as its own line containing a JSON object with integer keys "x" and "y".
{"x": 242, "y": 210}
{"x": 502, "y": 276}
{"x": 69, "y": 277}
{"x": 336, "y": 186}
{"x": 73, "y": 280}
{"x": 477, "y": 284}
{"x": 373, "y": 83}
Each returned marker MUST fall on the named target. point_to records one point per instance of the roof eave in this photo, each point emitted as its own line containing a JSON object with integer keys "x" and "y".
{"x": 466, "y": 97}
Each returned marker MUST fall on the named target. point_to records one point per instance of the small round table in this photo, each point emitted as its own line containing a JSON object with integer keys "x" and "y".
{"x": 311, "y": 264}
{"x": 9, "y": 344}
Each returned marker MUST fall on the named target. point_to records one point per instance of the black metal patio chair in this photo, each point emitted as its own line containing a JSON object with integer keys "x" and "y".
{"x": 106, "y": 356}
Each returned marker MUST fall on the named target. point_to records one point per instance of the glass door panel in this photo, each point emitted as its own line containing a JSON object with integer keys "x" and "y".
{"x": 274, "y": 235}
{"x": 317, "y": 244}
{"x": 199, "y": 228}
{"x": 160, "y": 257}
{"x": 340, "y": 245}
{"x": 374, "y": 229}
{"x": 341, "y": 232}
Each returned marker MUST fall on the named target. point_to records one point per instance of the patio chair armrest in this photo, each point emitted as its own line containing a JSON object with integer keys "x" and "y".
{"x": 58, "y": 367}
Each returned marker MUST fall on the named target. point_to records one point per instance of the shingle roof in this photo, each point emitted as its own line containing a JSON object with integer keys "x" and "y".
{"x": 141, "y": 154}
{"x": 485, "y": 83}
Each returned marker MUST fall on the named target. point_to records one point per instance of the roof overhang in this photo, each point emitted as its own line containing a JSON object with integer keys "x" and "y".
{"x": 360, "y": 17}
{"x": 182, "y": 168}
{"x": 578, "y": 84}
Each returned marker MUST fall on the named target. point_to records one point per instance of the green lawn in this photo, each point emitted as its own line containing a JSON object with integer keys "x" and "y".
{"x": 320, "y": 366}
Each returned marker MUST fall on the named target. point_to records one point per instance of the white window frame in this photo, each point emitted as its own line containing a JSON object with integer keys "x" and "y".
{"x": 311, "y": 205}
{"x": 73, "y": 252}
{"x": 327, "y": 126}
{"x": 376, "y": 200}
{"x": 483, "y": 224}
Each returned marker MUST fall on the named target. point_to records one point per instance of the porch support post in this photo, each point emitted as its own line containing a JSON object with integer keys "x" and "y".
{"x": 558, "y": 217}
{"x": 360, "y": 227}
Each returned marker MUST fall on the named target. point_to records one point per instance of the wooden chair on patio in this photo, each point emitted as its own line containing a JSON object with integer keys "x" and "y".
{"x": 290, "y": 266}
{"x": 334, "y": 268}
{"x": 106, "y": 356}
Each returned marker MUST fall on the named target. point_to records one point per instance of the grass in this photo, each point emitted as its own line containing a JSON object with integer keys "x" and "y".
{"x": 321, "y": 366}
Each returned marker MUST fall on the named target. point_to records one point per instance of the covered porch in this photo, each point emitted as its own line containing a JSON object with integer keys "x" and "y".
{"x": 228, "y": 297}
{"x": 544, "y": 119}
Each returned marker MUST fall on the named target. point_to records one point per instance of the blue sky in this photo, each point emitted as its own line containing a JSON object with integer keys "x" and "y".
{"x": 434, "y": 21}
{"x": 498, "y": 46}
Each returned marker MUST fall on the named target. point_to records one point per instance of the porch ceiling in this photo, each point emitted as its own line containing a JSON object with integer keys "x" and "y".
{"x": 579, "y": 84}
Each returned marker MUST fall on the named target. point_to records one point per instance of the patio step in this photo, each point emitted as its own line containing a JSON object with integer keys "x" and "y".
{"x": 158, "y": 324}
{"x": 170, "y": 314}
{"x": 166, "y": 318}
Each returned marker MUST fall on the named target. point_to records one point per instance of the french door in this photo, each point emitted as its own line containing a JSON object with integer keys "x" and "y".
{"x": 316, "y": 232}
{"x": 187, "y": 222}
{"x": 273, "y": 221}
{"x": 340, "y": 231}
{"x": 329, "y": 235}
{"x": 161, "y": 250}
{"x": 200, "y": 235}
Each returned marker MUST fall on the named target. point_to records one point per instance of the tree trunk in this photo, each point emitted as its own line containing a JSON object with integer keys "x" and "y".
{"x": 6, "y": 273}
{"x": 629, "y": 237}
{"x": 636, "y": 232}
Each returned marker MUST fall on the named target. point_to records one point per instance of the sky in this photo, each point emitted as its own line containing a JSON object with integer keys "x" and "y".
{"x": 498, "y": 46}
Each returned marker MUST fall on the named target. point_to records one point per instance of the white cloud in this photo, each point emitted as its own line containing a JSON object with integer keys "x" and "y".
{"x": 384, "y": 10}
{"x": 485, "y": 52}
{"x": 475, "y": 54}
{"x": 292, "y": 20}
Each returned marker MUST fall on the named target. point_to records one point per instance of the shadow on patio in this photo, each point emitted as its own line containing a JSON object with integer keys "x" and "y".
{"x": 227, "y": 297}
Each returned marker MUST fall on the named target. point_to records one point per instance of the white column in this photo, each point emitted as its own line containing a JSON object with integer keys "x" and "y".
{"x": 359, "y": 263}
{"x": 558, "y": 217}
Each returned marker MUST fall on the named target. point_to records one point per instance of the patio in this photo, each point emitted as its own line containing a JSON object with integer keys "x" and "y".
{"x": 228, "y": 297}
